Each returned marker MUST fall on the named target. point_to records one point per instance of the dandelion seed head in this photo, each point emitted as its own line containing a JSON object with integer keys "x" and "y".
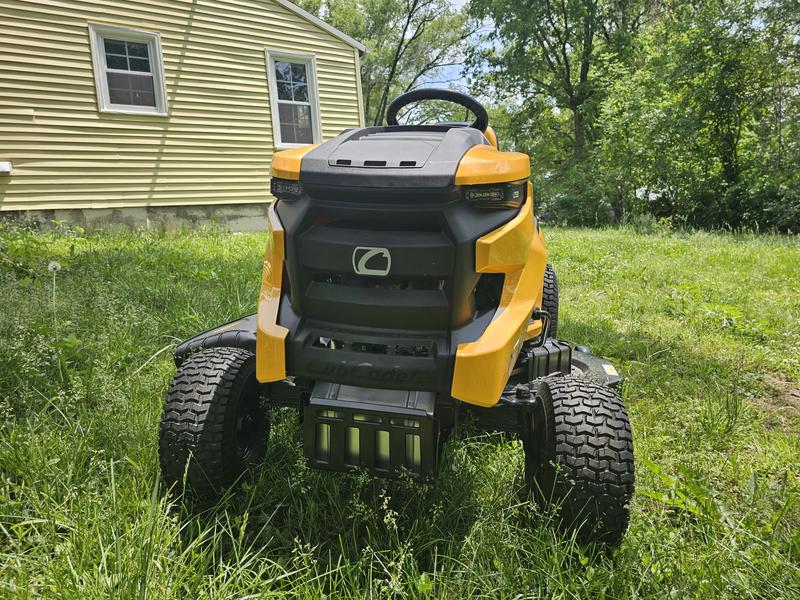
{"x": 54, "y": 266}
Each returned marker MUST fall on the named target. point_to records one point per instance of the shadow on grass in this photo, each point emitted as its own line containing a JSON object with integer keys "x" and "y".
{"x": 342, "y": 516}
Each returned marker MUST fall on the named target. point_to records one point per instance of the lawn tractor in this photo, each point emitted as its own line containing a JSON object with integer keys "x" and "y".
{"x": 405, "y": 288}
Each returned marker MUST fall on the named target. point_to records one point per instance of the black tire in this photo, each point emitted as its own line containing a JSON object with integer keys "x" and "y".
{"x": 214, "y": 426}
{"x": 579, "y": 457}
{"x": 550, "y": 298}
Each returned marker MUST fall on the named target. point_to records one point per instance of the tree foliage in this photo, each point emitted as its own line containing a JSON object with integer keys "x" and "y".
{"x": 409, "y": 43}
{"x": 675, "y": 109}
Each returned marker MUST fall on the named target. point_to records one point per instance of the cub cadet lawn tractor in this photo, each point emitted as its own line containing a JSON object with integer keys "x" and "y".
{"x": 405, "y": 287}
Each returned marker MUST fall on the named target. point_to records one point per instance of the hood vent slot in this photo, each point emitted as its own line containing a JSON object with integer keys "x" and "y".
{"x": 346, "y": 162}
{"x": 392, "y": 149}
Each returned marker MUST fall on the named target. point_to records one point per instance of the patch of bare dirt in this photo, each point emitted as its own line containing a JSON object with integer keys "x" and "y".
{"x": 782, "y": 404}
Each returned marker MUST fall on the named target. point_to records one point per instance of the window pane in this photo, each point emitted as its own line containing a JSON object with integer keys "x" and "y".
{"x": 304, "y": 136}
{"x": 116, "y": 62}
{"x": 143, "y": 98}
{"x": 298, "y": 73}
{"x": 114, "y": 46}
{"x": 283, "y": 70}
{"x": 295, "y": 123}
{"x": 127, "y": 56}
{"x": 142, "y": 90}
{"x": 138, "y": 49}
{"x": 141, "y": 83}
{"x": 284, "y": 90}
{"x": 119, "y": 96}
{"x": 300, "y": 92}
{"x": 134, "y": 90}
{"x": 285, "y": 113}
{"x": 287, "y": 134}
{"x": 139, "y": 64}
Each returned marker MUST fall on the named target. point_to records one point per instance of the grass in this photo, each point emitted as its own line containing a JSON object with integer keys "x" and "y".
{"x": 705, "y": 327}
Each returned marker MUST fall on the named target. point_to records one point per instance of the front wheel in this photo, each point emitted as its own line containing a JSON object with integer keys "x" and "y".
{"x": 214, "y": 426}
{"x": 579, "y": 456}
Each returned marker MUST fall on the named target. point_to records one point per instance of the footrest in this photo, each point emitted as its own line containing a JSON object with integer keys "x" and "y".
{"x": 386, "y": 432}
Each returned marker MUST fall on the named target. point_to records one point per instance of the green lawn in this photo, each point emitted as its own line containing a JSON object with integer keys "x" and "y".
{"x": 705, "y": 327}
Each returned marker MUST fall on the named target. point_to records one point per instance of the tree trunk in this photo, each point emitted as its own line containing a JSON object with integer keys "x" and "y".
{"x": 579, "y": 133}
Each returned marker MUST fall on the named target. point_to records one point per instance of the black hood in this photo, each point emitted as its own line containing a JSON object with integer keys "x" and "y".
{"x": 420, "y": 157}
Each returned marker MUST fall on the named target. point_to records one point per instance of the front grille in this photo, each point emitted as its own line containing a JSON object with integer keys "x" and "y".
{"x": 382, "y": 285}
{"x": 414, "y": 294}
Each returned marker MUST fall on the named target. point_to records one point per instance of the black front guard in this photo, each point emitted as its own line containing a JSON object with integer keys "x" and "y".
{"x": 239, "y": 333}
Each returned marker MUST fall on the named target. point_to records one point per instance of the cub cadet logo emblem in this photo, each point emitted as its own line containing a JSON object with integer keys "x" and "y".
{"x": 379, "y": 257}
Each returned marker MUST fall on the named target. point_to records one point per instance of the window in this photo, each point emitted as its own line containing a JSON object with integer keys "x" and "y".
{"x": 128, "y": 70}
{"x": 293, "y": 99}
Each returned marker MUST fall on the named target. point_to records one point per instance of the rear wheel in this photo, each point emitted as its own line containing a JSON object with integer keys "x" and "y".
{"x": 550, "y": 298}
{"x": 214, "y": 426}
{"x": 579, "y": 456}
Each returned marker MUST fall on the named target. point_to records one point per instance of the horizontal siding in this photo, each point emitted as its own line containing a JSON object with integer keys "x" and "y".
{"x": 216, "y": 144}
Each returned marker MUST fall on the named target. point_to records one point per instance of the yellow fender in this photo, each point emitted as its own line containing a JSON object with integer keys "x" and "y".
{"x": 517, "y": 250}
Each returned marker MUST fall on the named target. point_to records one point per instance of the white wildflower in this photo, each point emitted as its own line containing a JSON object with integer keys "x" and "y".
{"x": 54, "y": 266}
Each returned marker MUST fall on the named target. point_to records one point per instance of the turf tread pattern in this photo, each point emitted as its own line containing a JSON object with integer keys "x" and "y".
{"x": 550, "y": 298}
{"x": 590, "y": 467}
{"x": 196, "y": 424}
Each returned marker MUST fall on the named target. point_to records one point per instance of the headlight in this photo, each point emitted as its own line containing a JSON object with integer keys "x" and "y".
{"x": 285, "y": 189}
{"x": 497, "y": 196}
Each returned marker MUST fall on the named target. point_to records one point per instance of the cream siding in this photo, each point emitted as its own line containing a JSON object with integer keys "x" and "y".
{"x": 213, "y": 148}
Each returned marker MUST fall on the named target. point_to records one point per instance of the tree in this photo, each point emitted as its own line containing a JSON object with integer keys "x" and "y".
{"x": 409, "y": 42}
{"x": 550, "y": 49}
{"x": 686, "y": 110}
{"x": 692, "y": 124}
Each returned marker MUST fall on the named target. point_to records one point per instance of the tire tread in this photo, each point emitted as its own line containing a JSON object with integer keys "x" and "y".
{"x": 550, "y": 298}
{"x": 591, "y": 470}
{"x": 192, "y": 429}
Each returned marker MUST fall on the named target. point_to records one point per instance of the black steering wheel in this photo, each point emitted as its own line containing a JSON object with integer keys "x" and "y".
{"x": 481, "y": 117}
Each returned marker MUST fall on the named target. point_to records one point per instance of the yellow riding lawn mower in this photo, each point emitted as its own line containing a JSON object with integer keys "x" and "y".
{"x": 405, "y": 288}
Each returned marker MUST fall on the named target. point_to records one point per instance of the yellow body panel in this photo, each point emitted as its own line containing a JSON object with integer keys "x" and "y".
{"x": 286, "y": 164}
{"x": 517, "y": 250}
{"x": 490, "y": 135}
{"x": 271, "y": 337}
{"x": 486, "y": 164}
{"x": 215, "y": 146}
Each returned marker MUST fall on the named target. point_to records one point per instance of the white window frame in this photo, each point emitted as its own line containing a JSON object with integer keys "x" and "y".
{"x": 311, "y": 73}
{"x": 97, "y": 33}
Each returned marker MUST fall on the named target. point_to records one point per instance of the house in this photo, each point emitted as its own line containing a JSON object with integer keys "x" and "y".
{"x": 146, "y": 112}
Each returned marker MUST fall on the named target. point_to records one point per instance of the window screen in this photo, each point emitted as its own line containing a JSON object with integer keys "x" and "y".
{"x": 294, "y": 102}
{"x": 129, "y": 73}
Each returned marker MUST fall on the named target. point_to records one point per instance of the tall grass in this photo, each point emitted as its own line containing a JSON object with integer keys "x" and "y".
{"x": 705, "y": 327}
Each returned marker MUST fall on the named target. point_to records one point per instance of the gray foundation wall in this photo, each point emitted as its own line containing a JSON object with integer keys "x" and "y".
{"x": 233, "y": 217}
